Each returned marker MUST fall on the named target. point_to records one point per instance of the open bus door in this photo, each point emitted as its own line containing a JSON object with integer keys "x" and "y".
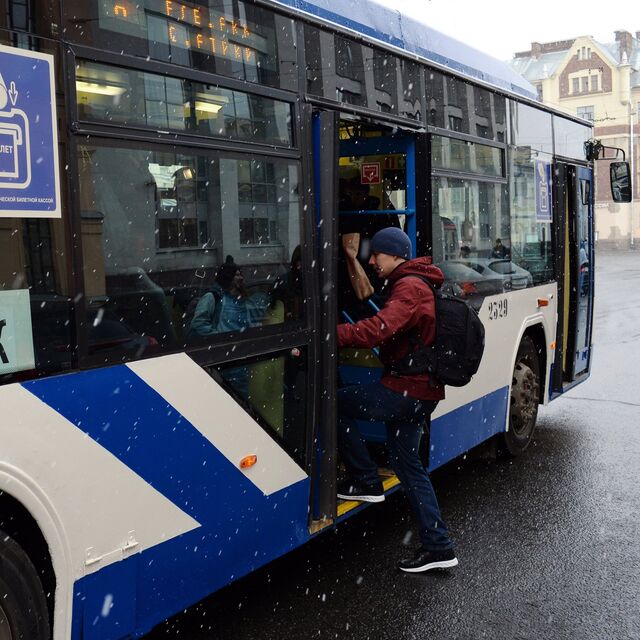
{"x": 574, "y": 267}
{"x": 582, "y": 268}
{"x": 377, "y": 189}
{"x": 364, "y": 177}
{"x": 575, "y": 248}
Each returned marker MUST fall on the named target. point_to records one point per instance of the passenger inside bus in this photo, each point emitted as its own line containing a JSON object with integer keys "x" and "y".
{"x": 227, "y": 306}
{"x": 355, "y": 196}
{"x": 356, "y": 228}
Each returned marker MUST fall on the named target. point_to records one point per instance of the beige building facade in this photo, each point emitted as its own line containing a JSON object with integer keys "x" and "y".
{"x": 601, "y": 83}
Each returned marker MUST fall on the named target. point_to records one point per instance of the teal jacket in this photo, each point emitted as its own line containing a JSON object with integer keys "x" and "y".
{"x": 219, "y": 312}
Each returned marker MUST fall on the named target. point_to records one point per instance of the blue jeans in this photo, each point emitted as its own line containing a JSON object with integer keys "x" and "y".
{"x": 404, "y": 417}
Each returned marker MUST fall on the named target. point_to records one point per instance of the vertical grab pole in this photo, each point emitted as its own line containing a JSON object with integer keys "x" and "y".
{"x": 411, "y": 194}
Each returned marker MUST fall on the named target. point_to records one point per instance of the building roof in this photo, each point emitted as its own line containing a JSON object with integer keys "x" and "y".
{"x": 539, "y": 68}
{"x": 547, "y": 59}
{"x": 612, "y": 49}
{"x": 391, "y": 28}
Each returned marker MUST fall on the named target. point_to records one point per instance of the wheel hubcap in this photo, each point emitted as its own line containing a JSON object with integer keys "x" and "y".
{"x": 524, "y": 399}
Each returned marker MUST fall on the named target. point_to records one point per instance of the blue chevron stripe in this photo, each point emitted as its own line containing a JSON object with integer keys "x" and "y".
{"x": 241, "y": 529}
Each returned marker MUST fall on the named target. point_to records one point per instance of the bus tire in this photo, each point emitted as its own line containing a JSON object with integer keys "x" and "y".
{"x": 23, "y": 606}
{"x": 523, "y": 399}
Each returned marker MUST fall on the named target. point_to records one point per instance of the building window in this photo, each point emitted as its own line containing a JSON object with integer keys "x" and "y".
{"x": 455, "y": 123}
{"x": 539, "y": 91}
{"x": 594, "y": 83}
{"x": 585, "y": 84}
{"x": 587, "y": 112}
{"x": 258, "y": 198}
{"x": 575, "y": 85}
{"x": 177, "y": 220}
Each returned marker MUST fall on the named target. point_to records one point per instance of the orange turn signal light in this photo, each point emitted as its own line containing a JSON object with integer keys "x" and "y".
{"x": 543, "y": 302}
{"x": 248, "y": 461}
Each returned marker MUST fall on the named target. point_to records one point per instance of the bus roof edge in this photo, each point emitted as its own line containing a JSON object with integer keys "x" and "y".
{"x": 391, "y": 28}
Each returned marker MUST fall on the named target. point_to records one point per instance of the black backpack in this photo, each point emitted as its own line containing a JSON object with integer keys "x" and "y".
{"x": 455, "y": 355}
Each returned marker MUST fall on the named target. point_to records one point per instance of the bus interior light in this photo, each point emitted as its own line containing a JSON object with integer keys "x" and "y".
{"x": 207, "y": 106}
{"x": 83, "y": 86}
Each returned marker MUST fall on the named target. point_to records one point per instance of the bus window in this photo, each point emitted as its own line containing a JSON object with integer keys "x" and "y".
{"x": 105, "y": 93}
{"x": 454, "y": 104}
{"x": 531, "y": 207}
{"x": 35, "y": 305}
{"x": 472, "y": 238}
{"x": 234, "y": 39}
{"x": 168, "y": 237}
{"x": 273, "y": 389}
{"x": 450, "y": 246}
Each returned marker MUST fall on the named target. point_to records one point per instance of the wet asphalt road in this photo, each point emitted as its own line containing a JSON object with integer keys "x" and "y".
{"x": 548, "y": 543}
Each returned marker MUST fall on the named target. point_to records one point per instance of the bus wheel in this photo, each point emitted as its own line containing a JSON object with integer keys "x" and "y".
{"x": 525, "y": 394}
{"x": 23, "y": 606}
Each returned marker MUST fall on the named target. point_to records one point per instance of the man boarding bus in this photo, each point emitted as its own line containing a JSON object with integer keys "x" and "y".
{"x": 404, "y": 403}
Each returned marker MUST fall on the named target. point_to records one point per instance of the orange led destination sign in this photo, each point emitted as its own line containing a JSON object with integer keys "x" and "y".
{"x": 192, "y": 27}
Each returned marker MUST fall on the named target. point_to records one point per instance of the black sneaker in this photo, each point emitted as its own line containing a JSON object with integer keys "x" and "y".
{"x": 424, "y": 560}
{"x": 352, "y": 490}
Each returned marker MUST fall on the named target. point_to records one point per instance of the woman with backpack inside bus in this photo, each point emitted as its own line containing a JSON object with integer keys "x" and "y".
{"x": 403, "y": 402}
{"x": 226, "y": 308}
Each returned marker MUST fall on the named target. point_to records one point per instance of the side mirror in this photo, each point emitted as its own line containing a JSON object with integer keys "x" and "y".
{"x": 620, "y": 178}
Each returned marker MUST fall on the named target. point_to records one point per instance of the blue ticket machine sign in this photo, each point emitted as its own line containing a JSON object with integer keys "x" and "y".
{"x": 29, "y": 174}
{"x": 544, "y": 211}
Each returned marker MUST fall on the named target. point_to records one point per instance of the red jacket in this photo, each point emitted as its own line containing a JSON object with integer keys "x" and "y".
{"x": 411, "y": 304}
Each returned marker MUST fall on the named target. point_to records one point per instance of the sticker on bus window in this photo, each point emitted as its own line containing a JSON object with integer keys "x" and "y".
{"x": 29, "y": 180}
{"x": 370, "y": 173}
{"x": 16, "y": 336}
{"x": 543, "y": 192}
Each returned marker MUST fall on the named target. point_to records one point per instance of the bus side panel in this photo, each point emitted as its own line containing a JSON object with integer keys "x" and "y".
{"x": 465, "y": 427}
{"x": 133, "y": 595}
{"x": 168, "y": 426}
{"x": 471, "y": 414}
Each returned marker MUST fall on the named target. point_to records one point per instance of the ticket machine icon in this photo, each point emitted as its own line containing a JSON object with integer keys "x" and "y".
{"x": 15, "y": 155}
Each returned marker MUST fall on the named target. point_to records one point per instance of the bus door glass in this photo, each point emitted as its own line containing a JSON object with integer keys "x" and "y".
{"x": 582, "y": 266}
{"x": 376, "y": 183}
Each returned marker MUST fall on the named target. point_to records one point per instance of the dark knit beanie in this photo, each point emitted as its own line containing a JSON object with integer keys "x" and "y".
{"x": 393, "y": 242}
{"x": 226, "y": 273}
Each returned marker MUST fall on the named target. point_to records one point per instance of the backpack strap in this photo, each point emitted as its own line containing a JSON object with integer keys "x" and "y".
{"x": 413, "y": 337}
{"x": 419, "y": 277}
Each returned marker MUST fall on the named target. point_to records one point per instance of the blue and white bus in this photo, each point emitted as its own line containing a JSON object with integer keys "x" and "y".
{"x": 168, "y": 369}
